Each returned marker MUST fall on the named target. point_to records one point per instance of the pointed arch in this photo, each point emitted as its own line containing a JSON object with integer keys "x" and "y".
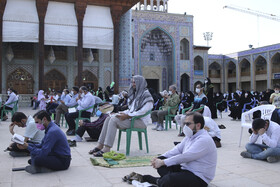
{"x": 275, "y": 63}
{"x": 54, "y": 79}
{"x": 21, "y": 80}
{"x": 260, "y": 65}
{"x": 231, "y": 69}
{"x": 214, "y": 70}
{"x": 184, "y": 49}
{"x": 245, "y": 67}
{"x": 89, "y": 80}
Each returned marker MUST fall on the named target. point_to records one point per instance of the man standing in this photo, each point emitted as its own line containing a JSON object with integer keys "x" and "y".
{"x": 269, "y": 131}
{"x": 84, "y": 100}
{"x": 53, "y": 153}
{"x": 65, "y": 104}
{"x": 31, "y": 135}
{"x": 169, "y": 101}
{"x": 191, "y": 162}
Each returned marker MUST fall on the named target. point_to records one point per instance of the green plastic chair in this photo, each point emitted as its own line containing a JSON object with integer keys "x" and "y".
{"x": 80, "y": 116}
{"x": 14, "y": 109}
{"x": 168, "y": 117}
{"x": 128, "y": 135}
{"x": 61, "y": 119}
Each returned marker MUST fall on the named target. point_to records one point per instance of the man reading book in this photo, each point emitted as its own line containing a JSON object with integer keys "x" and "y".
{"x": 31, "y": 134}
{"x": 53, "y": 153}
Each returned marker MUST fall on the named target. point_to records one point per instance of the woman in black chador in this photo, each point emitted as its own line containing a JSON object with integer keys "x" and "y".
{"x": 208, "y": 89}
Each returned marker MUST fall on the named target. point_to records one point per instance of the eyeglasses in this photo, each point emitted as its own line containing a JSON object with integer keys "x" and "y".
{"x": 188, "y": 123}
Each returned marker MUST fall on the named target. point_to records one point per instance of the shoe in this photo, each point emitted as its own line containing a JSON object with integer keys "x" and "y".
{"x": 181, "y": 134}
{"x": 72, "y": 143}
{"x": 246, "y": 154}
{"x": 77, "y": 138}
{"x": 36, "y": 169}
{"x": 127, "y": 178}
{"x": 160, "y": 128}
{"x": 137, "y": 177}
{"x": 218, "y": 144}
{"x": 98, "y": 154}
{"x": 94, "y": 151}
{"x": 71, "y": 133}
{"x": 155, "y": 128}
{"x": 272, "y": 159}
{"x": 29, "y": 161}
{"x": 175, "y": 143}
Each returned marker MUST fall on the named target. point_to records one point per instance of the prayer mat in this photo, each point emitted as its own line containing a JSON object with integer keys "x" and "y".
{"x": 137, "y": 161}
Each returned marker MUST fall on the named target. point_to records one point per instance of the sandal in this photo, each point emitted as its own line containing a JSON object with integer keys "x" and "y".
{"x": 94, "y": 151}
{"x": 98, "y": 154}
{"x": 127, "y": 177}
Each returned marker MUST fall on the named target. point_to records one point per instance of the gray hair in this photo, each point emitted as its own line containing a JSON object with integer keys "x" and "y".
{"x": 173, "y": 87}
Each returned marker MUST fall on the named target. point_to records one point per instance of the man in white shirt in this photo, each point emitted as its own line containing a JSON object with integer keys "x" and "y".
{"x": 190, "y": 163}
{"x": 213, "y": 130}
{"x": 269, "y": 131}
{"x": 31, "y": 135}
{"x": 140, "y": 102}
{"x": 84, "y": 100}
{"x": 8, "y": 106}
{"x": 68, "y": 102}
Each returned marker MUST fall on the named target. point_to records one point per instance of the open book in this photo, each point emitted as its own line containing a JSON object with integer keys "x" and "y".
{"x": 18, "y": 139}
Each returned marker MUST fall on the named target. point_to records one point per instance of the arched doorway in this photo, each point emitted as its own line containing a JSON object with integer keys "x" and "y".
{"x": 54, "y": 80}
{"x": 231, "y": 76}
{"x": 275, "y": 66}
{"x": 198, "y": 65}
{"x": 21, "y": 81}
{"x": 214, "y": 73}
{"x": 157, "y": 50}
{"x": 89, "y": 80}
{"x": 261, "y": 73}
{"x": 185, "y": 83}
{"x": 184, "y": 49}
{"x": 245, "y": 75}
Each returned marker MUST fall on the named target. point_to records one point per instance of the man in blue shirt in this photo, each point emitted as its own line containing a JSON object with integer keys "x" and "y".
{"x": 53, "y": 153}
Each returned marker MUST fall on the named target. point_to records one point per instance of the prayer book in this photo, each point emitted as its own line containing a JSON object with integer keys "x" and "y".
{"x": 72, "y": 110}
{"x": 18, "y": 139}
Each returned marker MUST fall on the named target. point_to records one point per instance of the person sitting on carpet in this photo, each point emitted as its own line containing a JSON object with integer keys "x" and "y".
{"x": 53, "y": 153}
{"x": 269, "y": 131}
{"x": 140, "y": 102}
{"x": 190, "y": 163}
{"x": 31, "y": 135}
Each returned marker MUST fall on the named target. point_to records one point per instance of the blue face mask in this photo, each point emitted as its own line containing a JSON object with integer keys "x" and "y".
{"x": 98, "y": 113}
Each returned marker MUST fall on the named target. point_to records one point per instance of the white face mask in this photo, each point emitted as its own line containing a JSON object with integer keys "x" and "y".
{"x": 187, "y": 131}
{"x": 217, "y": 95}
{"x": 206, "y": 81}
{"x": 82, "y": 95}
{"x": 277, "y": 91}
{"x": 197, "y": 90}
{"x": 170, "y": 92}
{"x": 63, "y": 93}
{"x": 8, "y": 92}
{"x": 72, "y": 93}
{"x": 246, "y": 95}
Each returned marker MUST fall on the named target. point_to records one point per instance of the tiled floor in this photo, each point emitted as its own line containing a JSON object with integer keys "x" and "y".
{"x": 232, "y": 169}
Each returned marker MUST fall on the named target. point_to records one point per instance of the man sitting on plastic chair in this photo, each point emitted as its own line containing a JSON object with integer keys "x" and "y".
{"x": 270, "y": 133}
{"x": 169, "y": 101}
{"x": 140, "y": 102}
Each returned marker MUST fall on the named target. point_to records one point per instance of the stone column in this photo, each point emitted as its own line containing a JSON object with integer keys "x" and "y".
{"x": 164, "y": 3}
{"x": 158, "y": 3}
{"x": 145, "y": 4}
{"x": 269, "y": 76}
{"x": 2, "y": 8}
{"x": 238, "y": 84}
{"x": 80, "y": 9}
{"x": 116, "y": 12}
{"x": 101, "y": 68}
{"x": 42, "y": 6}
{"x": 226, "y": 76}
{"x": 253, "y": 73}
{"x": 152, "y": 5}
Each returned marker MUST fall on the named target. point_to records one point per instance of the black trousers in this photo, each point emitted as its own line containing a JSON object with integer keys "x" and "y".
{"x": 70, "y": 118}
{"x": 93, "y": 132}
{"x": 16, "y": 149}
{"x": 6, "y": 108}
{"x": 52, "y": 162}
{"x": 174, "y": 176}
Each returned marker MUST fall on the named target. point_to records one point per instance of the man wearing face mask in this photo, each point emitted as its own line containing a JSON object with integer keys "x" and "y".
{"x": 191, "y": 162}
{"x": 31, "y": 135}
{"x": 169, "y": 101}
{"x": 84, "y": 100}
{"x": 65, "y": 104}
{"x": 53, "y": 153}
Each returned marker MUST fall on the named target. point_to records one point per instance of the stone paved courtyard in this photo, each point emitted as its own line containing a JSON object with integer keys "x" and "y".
{"x": 232, "y": 169}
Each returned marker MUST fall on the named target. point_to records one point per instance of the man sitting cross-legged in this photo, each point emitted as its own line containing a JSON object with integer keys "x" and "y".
{"x": 140, "y": 102}
{"x": 53, "y": 153}
{"x": 269, "y": 131}
{"x": 31, "y": 135}
{"x": 190, "y": 163}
